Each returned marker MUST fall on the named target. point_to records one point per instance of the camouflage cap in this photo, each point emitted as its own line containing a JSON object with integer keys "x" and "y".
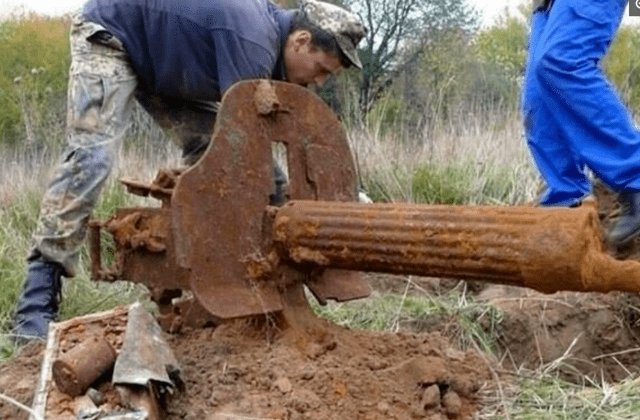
{"x": 343, "y": 25}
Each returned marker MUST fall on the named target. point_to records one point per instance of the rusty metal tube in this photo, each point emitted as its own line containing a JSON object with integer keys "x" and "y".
{"x": 543, "y": 249}
{"x": 75, "y": 371}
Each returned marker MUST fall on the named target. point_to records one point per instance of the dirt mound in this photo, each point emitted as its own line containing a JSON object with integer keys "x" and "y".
{"x": 579, "y": 334}
{"x": 257, "y": 369}
{"x": 336, "y": 374}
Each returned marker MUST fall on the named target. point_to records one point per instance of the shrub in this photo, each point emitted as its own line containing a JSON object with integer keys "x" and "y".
{"x": 442, "y": 184}
{"x": 33, "y": 79}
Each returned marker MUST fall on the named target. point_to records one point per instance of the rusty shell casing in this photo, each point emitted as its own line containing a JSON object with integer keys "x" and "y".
{"x": 543, "y": 249}
{"x": 77, "y": 369}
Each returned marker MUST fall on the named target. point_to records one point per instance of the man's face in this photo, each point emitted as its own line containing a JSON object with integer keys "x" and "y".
{"x": 307, "y": 64}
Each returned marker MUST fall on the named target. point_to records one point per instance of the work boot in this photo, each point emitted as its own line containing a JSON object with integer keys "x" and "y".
{"x": 627, "y": 226}
{"x": 37, "y": 306}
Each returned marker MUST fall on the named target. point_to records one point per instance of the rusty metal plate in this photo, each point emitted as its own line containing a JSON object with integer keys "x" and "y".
{"x": 218, "y": 208}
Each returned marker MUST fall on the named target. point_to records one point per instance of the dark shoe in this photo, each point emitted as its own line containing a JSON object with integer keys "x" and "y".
{"x": 627, "y": 226}
{"x": 38, "y": 304}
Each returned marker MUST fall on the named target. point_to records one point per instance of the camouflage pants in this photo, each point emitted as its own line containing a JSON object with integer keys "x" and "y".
{"x": 102, "y": 87}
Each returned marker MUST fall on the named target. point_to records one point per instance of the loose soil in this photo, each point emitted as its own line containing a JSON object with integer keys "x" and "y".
{"x": 334, "y": 373}
{"x": 259, "y": 368}
{"x": 572, "y": 334}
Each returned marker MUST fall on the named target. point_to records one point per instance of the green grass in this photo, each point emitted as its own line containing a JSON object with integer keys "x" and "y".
{"x": 33, "y": 79}
{"x": 550, "y": 398}
{"x": 469, "y": 163}
{"x": 472, "y": 325}
{"x": 16, "y": 219}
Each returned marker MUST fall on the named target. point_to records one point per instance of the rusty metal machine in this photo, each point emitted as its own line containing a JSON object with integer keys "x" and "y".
{"x": 215, "y": 249}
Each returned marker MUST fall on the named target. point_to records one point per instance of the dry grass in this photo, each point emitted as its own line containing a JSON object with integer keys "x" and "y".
{"x": 483, "y": 154}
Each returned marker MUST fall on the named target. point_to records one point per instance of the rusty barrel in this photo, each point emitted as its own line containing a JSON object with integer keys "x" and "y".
{"x": 543, "y": 249}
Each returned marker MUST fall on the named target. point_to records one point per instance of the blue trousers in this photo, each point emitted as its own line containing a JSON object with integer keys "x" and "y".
{"x": 574, "y": 120}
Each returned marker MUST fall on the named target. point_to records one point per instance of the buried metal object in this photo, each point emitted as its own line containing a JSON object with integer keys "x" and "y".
{"x": 216, "y": 238}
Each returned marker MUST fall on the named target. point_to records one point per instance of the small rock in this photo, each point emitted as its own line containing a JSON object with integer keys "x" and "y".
{"x": 283, "y": 384}
{"x": 341, "y": 389}
{"x": 377, "y": 364}
{"x": 279, "y": 414}
{"x": 430, "y": 397}
{"x": 308, "y": 374}
{"x": 95, "y": 396}
{"x": 452, "y": 403}
{"x": 383, "y": 407}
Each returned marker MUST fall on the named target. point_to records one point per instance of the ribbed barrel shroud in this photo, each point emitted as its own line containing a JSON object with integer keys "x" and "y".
{"x": 544, "y": 249}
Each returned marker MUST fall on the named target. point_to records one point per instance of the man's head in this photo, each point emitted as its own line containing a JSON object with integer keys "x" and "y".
{"x": 322, "y": 41}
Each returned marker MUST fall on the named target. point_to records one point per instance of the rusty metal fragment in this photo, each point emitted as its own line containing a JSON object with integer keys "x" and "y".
{"x": 218, "y": 209}
{"x": 145, "y": 356}
{"x": 75, "y": 371}
{"x": 211, "y": 234}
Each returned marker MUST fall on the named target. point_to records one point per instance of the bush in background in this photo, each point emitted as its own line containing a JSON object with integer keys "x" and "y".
{"x": 33, "y": 80}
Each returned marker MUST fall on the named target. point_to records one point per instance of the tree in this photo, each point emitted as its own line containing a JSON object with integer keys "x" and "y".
{"x": 399, "y": 31}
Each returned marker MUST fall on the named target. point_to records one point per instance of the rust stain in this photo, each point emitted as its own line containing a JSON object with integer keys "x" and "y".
{"x": 260, "y": 267}
{"x": 301, "y": 254}
{"x": 280, "y": 228}
{"x": 137, "y": 231}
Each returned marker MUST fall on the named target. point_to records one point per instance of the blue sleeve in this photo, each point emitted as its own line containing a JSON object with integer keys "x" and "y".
{"x": 240, "y": 59}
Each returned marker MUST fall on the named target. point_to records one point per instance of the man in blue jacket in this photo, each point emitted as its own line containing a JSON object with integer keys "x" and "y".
{"x": 177, "y": 58}
{"x": 574, "y": 120}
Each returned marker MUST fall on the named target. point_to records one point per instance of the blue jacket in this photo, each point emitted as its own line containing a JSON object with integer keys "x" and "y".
{"x": 196, "y": 49}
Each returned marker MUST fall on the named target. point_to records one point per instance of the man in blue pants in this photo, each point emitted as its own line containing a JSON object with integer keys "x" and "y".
{"x": 177, "y": 58}
{"x": 574, "y": 120}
